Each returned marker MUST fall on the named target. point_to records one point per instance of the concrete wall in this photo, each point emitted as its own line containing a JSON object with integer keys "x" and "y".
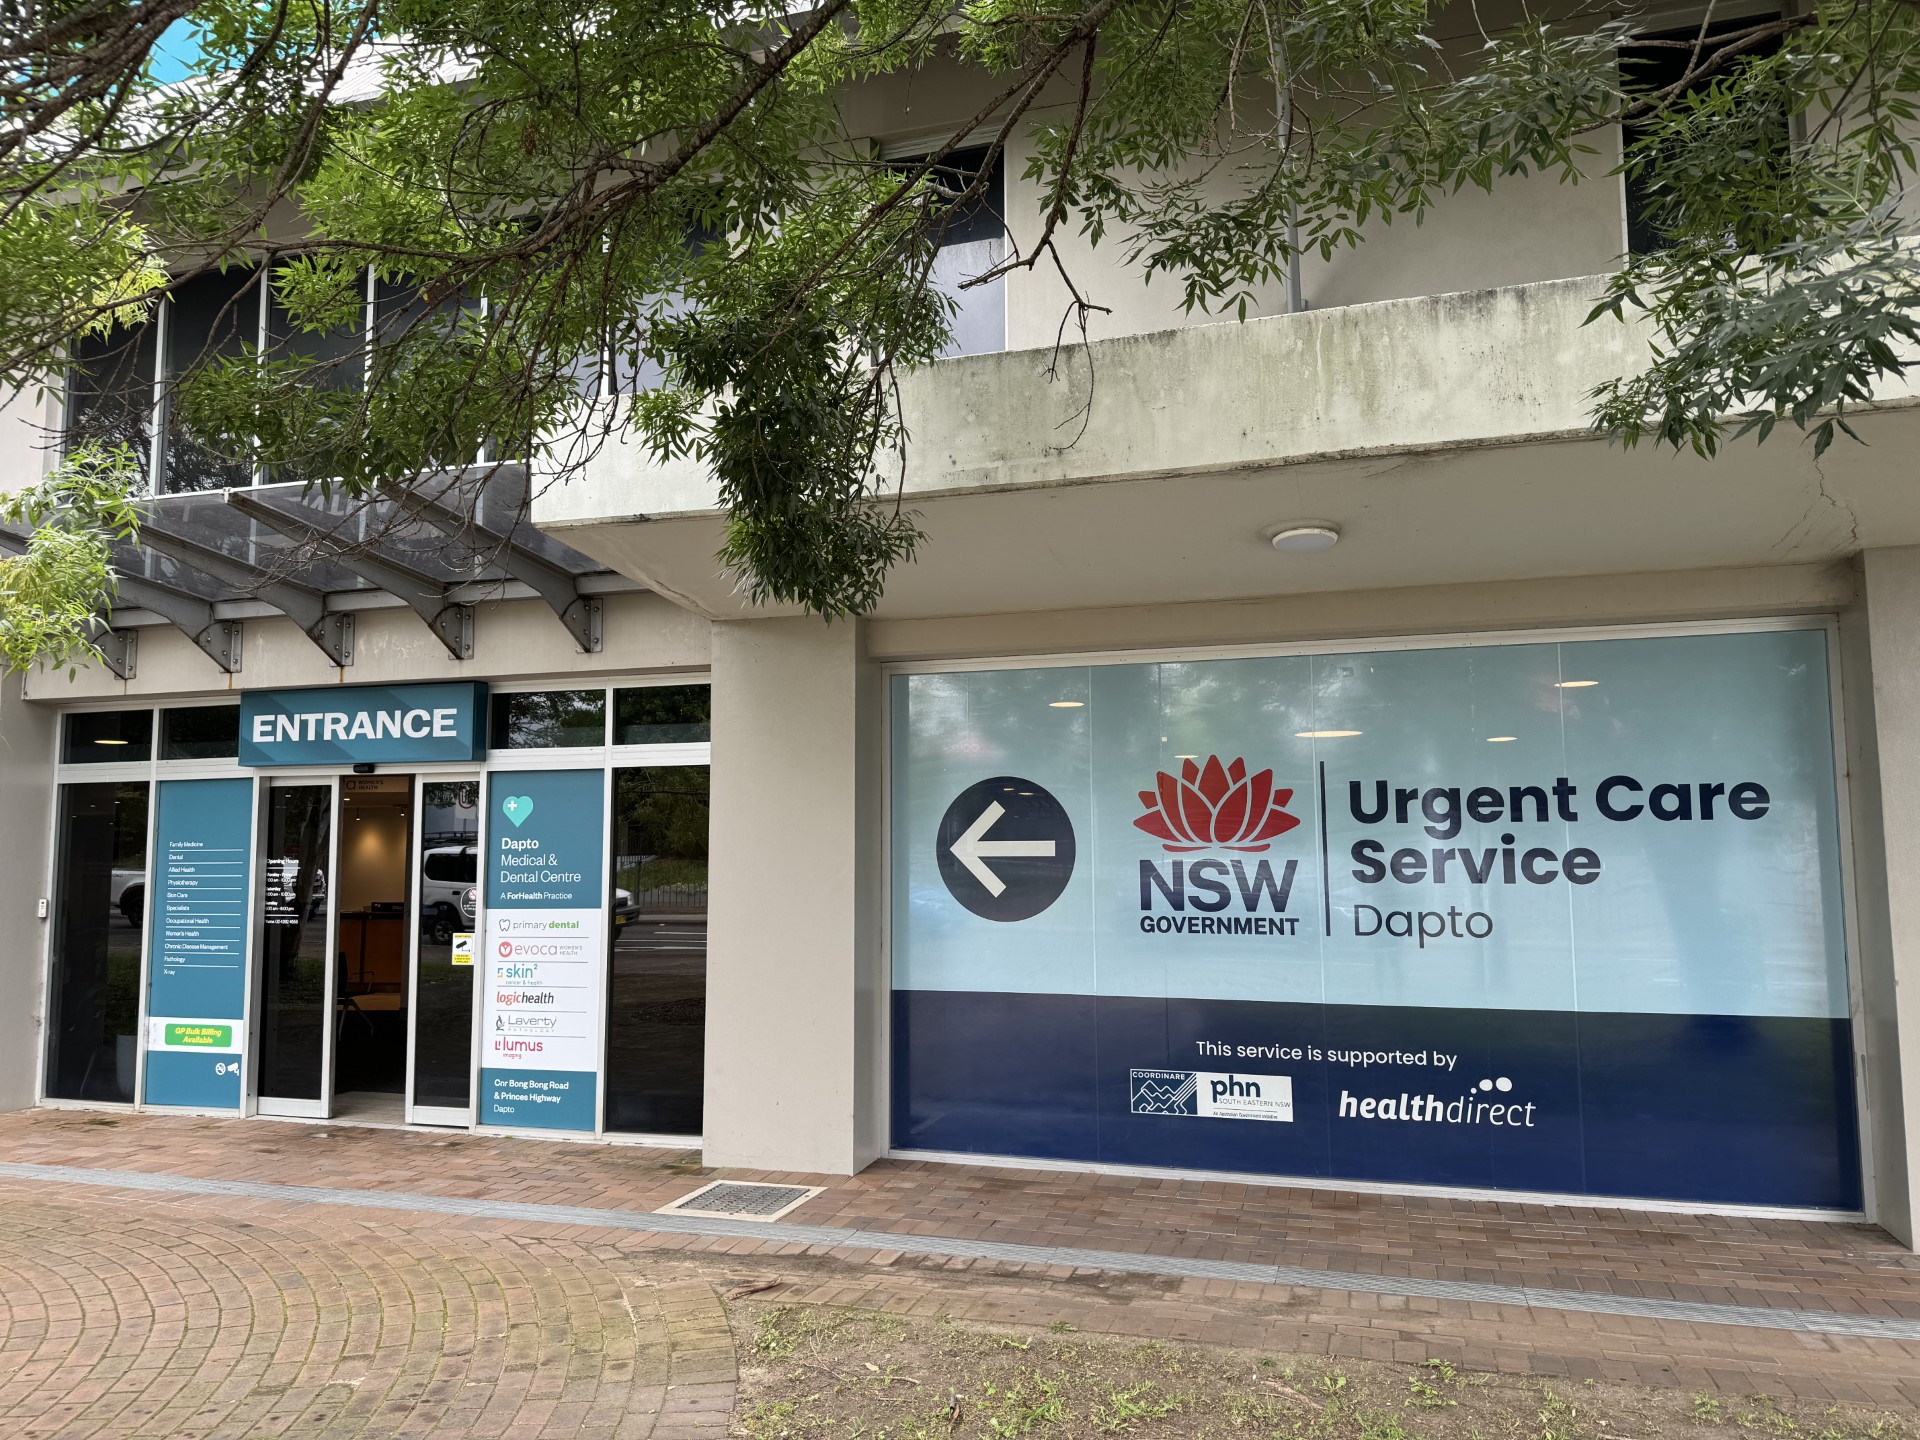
{"x": 26, "y": 800}
{"x": 28, "y": 426}
{"x": 1526, "y": 229}
{"x": 793, "y": 986}
{"x": 1882, "y": 652}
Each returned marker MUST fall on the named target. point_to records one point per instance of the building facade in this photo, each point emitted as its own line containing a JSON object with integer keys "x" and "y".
{"x": 1301, "y": 750}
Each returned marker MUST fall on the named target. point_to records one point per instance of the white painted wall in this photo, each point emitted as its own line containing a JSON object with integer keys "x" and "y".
{"x": 26, "y": 800}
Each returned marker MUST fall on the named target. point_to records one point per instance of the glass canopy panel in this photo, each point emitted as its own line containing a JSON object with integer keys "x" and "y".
{"x": 208, "y": 521}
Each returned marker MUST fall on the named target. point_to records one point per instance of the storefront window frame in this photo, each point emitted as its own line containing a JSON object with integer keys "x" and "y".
{"x": 605, "y": 758}
{"x": 1827, "y": 623}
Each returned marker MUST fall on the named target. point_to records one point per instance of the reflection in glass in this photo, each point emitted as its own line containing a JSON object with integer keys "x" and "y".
{"x": 211, "y": 318}
{"x": 549, "y": 720}
{"x": 662, "y": 715}
{"x": 93, "y": 999}
{"x": 110, "y": 389}
{"x": 107, "y": 737}
{"x": 443, "y": 997}
{"x": 204, "y": 732}
{"x": 657, "y": 963}
{"x": 293, "y": 941}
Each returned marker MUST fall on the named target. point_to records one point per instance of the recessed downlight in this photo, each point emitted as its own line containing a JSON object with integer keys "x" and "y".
{"x": 1308, "y": 535}
{"x": 1323, "y": 734}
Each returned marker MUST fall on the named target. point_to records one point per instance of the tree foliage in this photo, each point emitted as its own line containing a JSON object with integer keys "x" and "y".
{"x": 51, "y": 597}
{"x": 673, "y": 188}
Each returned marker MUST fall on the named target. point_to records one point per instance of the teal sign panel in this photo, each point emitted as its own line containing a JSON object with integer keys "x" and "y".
{"x": 364, "y": 725}
{"x": 196, "y": 996}
{"x": 544, "y": 949}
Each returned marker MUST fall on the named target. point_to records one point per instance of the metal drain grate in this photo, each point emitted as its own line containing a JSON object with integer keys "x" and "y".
{"x": 742, "y": 1200}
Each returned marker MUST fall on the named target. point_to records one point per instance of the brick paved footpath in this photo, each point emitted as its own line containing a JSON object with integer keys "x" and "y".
{"x": 140, "y": 1314}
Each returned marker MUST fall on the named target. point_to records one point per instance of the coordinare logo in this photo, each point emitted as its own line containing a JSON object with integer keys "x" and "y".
{"x": 1215, "y": 805}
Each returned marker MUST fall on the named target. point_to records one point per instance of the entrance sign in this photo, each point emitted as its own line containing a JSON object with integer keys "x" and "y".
{"x": 1550, "y": 917}
{"x": 544, "y": 948}
{"x": 364, "y": 724}
{"x": 196, "y": 996}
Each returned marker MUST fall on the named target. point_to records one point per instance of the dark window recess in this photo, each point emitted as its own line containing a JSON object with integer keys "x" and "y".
{"x": 549, "y": 720}
{"x": 334, "y": 360}
{"x": 210, "y": 319}
{"x": 1651, "y": 68}
{"x": 100, "y": 906}
{"x": 453, "y": 867}
{"x": 972, "y": 236}
{"x": 205, "y": 732}
{"x": 107, "y": 737}
{"x": 110, "y": 389}
{"x": 657, "y": 960}
{"x": 662, "y": 715}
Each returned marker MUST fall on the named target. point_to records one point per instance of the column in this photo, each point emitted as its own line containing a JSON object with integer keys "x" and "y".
{"x": 26, "y": 799}
{"x": 1881, "y": 656}
{"x": 794, "y": 1000}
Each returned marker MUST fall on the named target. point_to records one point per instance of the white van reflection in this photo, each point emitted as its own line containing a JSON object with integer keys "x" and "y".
{"x": 449, "y": 892}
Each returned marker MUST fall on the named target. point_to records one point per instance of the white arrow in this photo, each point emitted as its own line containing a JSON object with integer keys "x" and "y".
{"x": 970, "y": 847}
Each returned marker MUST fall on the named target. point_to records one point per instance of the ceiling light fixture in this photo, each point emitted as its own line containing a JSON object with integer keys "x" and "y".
{"x": 1500, "y": 739}
{"x": 1304, "y": 535}
{"x": 1323, "y": 734}
{"x": 1065, "y": 704}
{"x": 110, "y": 742}
{"x": 1574, "y": 684}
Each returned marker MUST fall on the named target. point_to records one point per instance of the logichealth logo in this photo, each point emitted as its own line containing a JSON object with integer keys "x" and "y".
{"x": 1208, "y": 807}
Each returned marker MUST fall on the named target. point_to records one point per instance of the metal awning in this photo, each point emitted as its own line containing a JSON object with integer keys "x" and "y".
{"x": 438, "y": 545}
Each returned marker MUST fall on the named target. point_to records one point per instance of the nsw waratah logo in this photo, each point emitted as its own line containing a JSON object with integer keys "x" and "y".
{"x": 1215, "y": 805}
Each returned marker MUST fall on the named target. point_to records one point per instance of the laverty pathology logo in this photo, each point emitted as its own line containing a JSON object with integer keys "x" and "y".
{"x": 1215, "y": 805}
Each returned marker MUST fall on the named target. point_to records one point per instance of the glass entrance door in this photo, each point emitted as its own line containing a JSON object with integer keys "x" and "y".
{"x": 296, "y": 952}
{"x": 445, "y": 922}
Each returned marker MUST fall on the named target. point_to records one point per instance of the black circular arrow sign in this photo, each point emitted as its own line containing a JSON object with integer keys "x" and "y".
{"x": 1005, "y": 848}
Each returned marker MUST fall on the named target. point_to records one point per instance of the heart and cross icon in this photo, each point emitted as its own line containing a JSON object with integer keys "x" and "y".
{"x": 517, "y": 808}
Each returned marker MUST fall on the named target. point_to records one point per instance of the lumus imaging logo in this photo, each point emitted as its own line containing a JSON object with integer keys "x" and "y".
{"x": 1210, "y": 1095}
{"x": 1216, "y": 807}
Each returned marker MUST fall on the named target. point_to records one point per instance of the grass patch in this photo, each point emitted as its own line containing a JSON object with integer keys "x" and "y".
{"x": 820, "y": 1373}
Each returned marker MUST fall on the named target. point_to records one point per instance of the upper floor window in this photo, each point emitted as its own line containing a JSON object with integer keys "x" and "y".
{"x": 122, "y": 386}
{"x": 1658, "y": 63}
{"x": 549, "y": 719}
{"x": 200, "y": 732}
{"x": 973, "y": 239}
{"x": 107, "y": 737}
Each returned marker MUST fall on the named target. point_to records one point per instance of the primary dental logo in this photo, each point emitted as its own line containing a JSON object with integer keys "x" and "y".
{"x": 517, "y": 808}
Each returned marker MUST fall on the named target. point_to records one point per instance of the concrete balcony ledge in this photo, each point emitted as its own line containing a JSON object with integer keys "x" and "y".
{"x": 1448, "y": 437}
{"x": 1482, "y": 367}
